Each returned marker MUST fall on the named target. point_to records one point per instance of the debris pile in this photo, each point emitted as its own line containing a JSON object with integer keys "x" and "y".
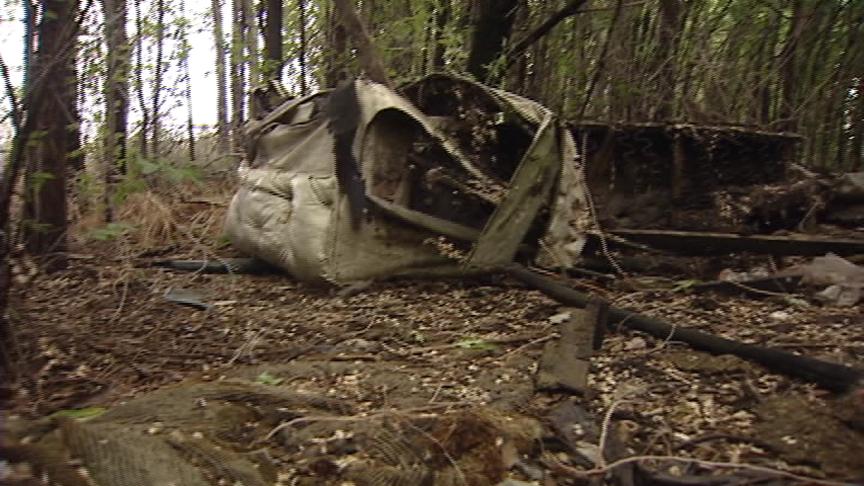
{"x": 445, "y": 381}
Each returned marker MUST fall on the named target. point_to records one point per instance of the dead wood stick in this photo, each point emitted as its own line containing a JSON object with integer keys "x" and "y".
{"x": 831, "y": 376}
{"x": 702, "y": 243}
{"x": 572, "y": 8}
{"x": 369, "y": 59}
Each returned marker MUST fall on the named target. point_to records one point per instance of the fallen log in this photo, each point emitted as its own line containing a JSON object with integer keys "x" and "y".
{"x": 698, "y": 243}
{"x": 831, "y": 376}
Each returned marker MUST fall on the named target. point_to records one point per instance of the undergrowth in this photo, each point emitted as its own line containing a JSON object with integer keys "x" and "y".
{"x": 185, "y": 215}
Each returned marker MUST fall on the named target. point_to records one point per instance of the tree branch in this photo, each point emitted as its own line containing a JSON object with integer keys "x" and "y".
{"x": 369, "y": 59}
{"x": 569, "y": 10}
{"x": 601, "y": 63}
{"x": 10, "y": 91}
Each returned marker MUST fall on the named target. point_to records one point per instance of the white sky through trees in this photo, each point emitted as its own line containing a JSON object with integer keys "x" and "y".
{"x": 201, "y": 65}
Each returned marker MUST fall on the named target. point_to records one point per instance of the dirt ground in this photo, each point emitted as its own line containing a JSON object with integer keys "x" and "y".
{"x": 102, "y": 334}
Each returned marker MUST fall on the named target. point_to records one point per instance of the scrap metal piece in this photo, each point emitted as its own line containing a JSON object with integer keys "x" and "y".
{"x": 186, "y": 297}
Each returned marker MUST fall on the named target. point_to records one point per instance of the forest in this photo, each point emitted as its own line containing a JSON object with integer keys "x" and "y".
{"x": 432, "y": 242}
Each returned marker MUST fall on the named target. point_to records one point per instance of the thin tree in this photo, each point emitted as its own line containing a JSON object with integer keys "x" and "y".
{"x": 572, "y": 8}
{"x": 116, "y": 93}
{"x": 45, "y": 108}
{"x": 441, "y": 17}
{"x": 158, "y": 74}
{"x": 856, "y": 140}
{"x": 301, "y": 55}
{"x": 492, "y": 25}
{"x": 273, "y": 39}
{"x": 73, "y": 129}
{"x": 237, "y": 73}
{"x": 45, "y": 181}
{"x": 144, "y": 129}
{"x": 8, "y": 177}
{"x": 250, "y": 44}
{"x": 369, "y": 59}
{"x": 29, "y": 38}
{"x": 336, "y": 50}
{"x": 667, "y": 45}
{"x": 222, "y": 134}
{"x": 187, "y": 79}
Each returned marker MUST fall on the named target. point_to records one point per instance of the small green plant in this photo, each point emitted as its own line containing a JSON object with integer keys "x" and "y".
{"x": 38, "y": 179}
{"x": 266, "y": 378}
{"x": 164, "y": 168}
{"x": 79, "y": 413}
{"x": 795, "y": 301}
{"x": 685, "y": 286}
{"x": 476, "y": 343}
{"x": 36, "y": 227}
{"x": 110, "y": 231}
{"x": 224, "y": 241}
{"x": 86, "y": 187}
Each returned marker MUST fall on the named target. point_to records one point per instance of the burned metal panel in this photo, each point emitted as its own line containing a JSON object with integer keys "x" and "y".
{"x": 529, "y": 190}
{"x": 674, "y": 175}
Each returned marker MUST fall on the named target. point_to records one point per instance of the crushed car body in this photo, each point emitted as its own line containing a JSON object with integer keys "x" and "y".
{"x": 447, "y": 177}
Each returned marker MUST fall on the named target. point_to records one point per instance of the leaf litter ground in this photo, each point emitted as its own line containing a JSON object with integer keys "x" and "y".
{"x": 426, "y": 361}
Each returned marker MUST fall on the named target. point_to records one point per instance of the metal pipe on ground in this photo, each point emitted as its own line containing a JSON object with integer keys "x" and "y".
{"x": 831, "y": 376}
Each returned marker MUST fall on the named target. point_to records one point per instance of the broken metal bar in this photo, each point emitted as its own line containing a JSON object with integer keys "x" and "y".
{"x": 699, "y": 243}
{"x": 250, "y": 266}
{"x": 757, "y": 287}
{"x": 831, "y": 376}
{"x": 584, "y": 272}
{"x": 638, "y": 264}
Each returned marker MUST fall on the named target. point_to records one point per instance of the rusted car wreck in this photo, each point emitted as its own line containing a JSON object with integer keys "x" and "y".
{"x": 447, "y": 177}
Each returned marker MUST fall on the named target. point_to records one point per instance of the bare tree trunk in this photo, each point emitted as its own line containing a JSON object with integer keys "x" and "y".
{"x": 765, "y": 84}
{"x": 73, "y": 128}
{"x": 158, "y": 75}
{"x": 572, "y": 8}
{"x": 144, "y": 130}
{"x": 601, "y": 62}
{"x": 368, "y": 12}
{"x": 187, "y": 80}
{"x": 9, "y": 352}
{"x": 8, "y": 177}
{"x": 856, "y": 141}
{"x": 116, "y": 98}
{"x": 441, "y": 18}
{"x": 493, "y": 22}
{"x": 789, "y": 69}
{"x": 222, "y": 134}
{"x": 428, "y": 45}
{"x": 301, "y": 56}
{"x": 369, "y": 60}
{"x": 29, "y": 29}
{"x": 45, "y": 200}
{"x": 250, "y": 38}
{"x": 273, "y": 39}
{"x": 338, "y": 50}
{"x": 667, "y": 46}
{"x": 238, "y": 74}
{"x": 38, "y": 110}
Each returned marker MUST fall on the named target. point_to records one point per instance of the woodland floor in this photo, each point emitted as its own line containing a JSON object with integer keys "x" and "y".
{"x": 102, "y": 332}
